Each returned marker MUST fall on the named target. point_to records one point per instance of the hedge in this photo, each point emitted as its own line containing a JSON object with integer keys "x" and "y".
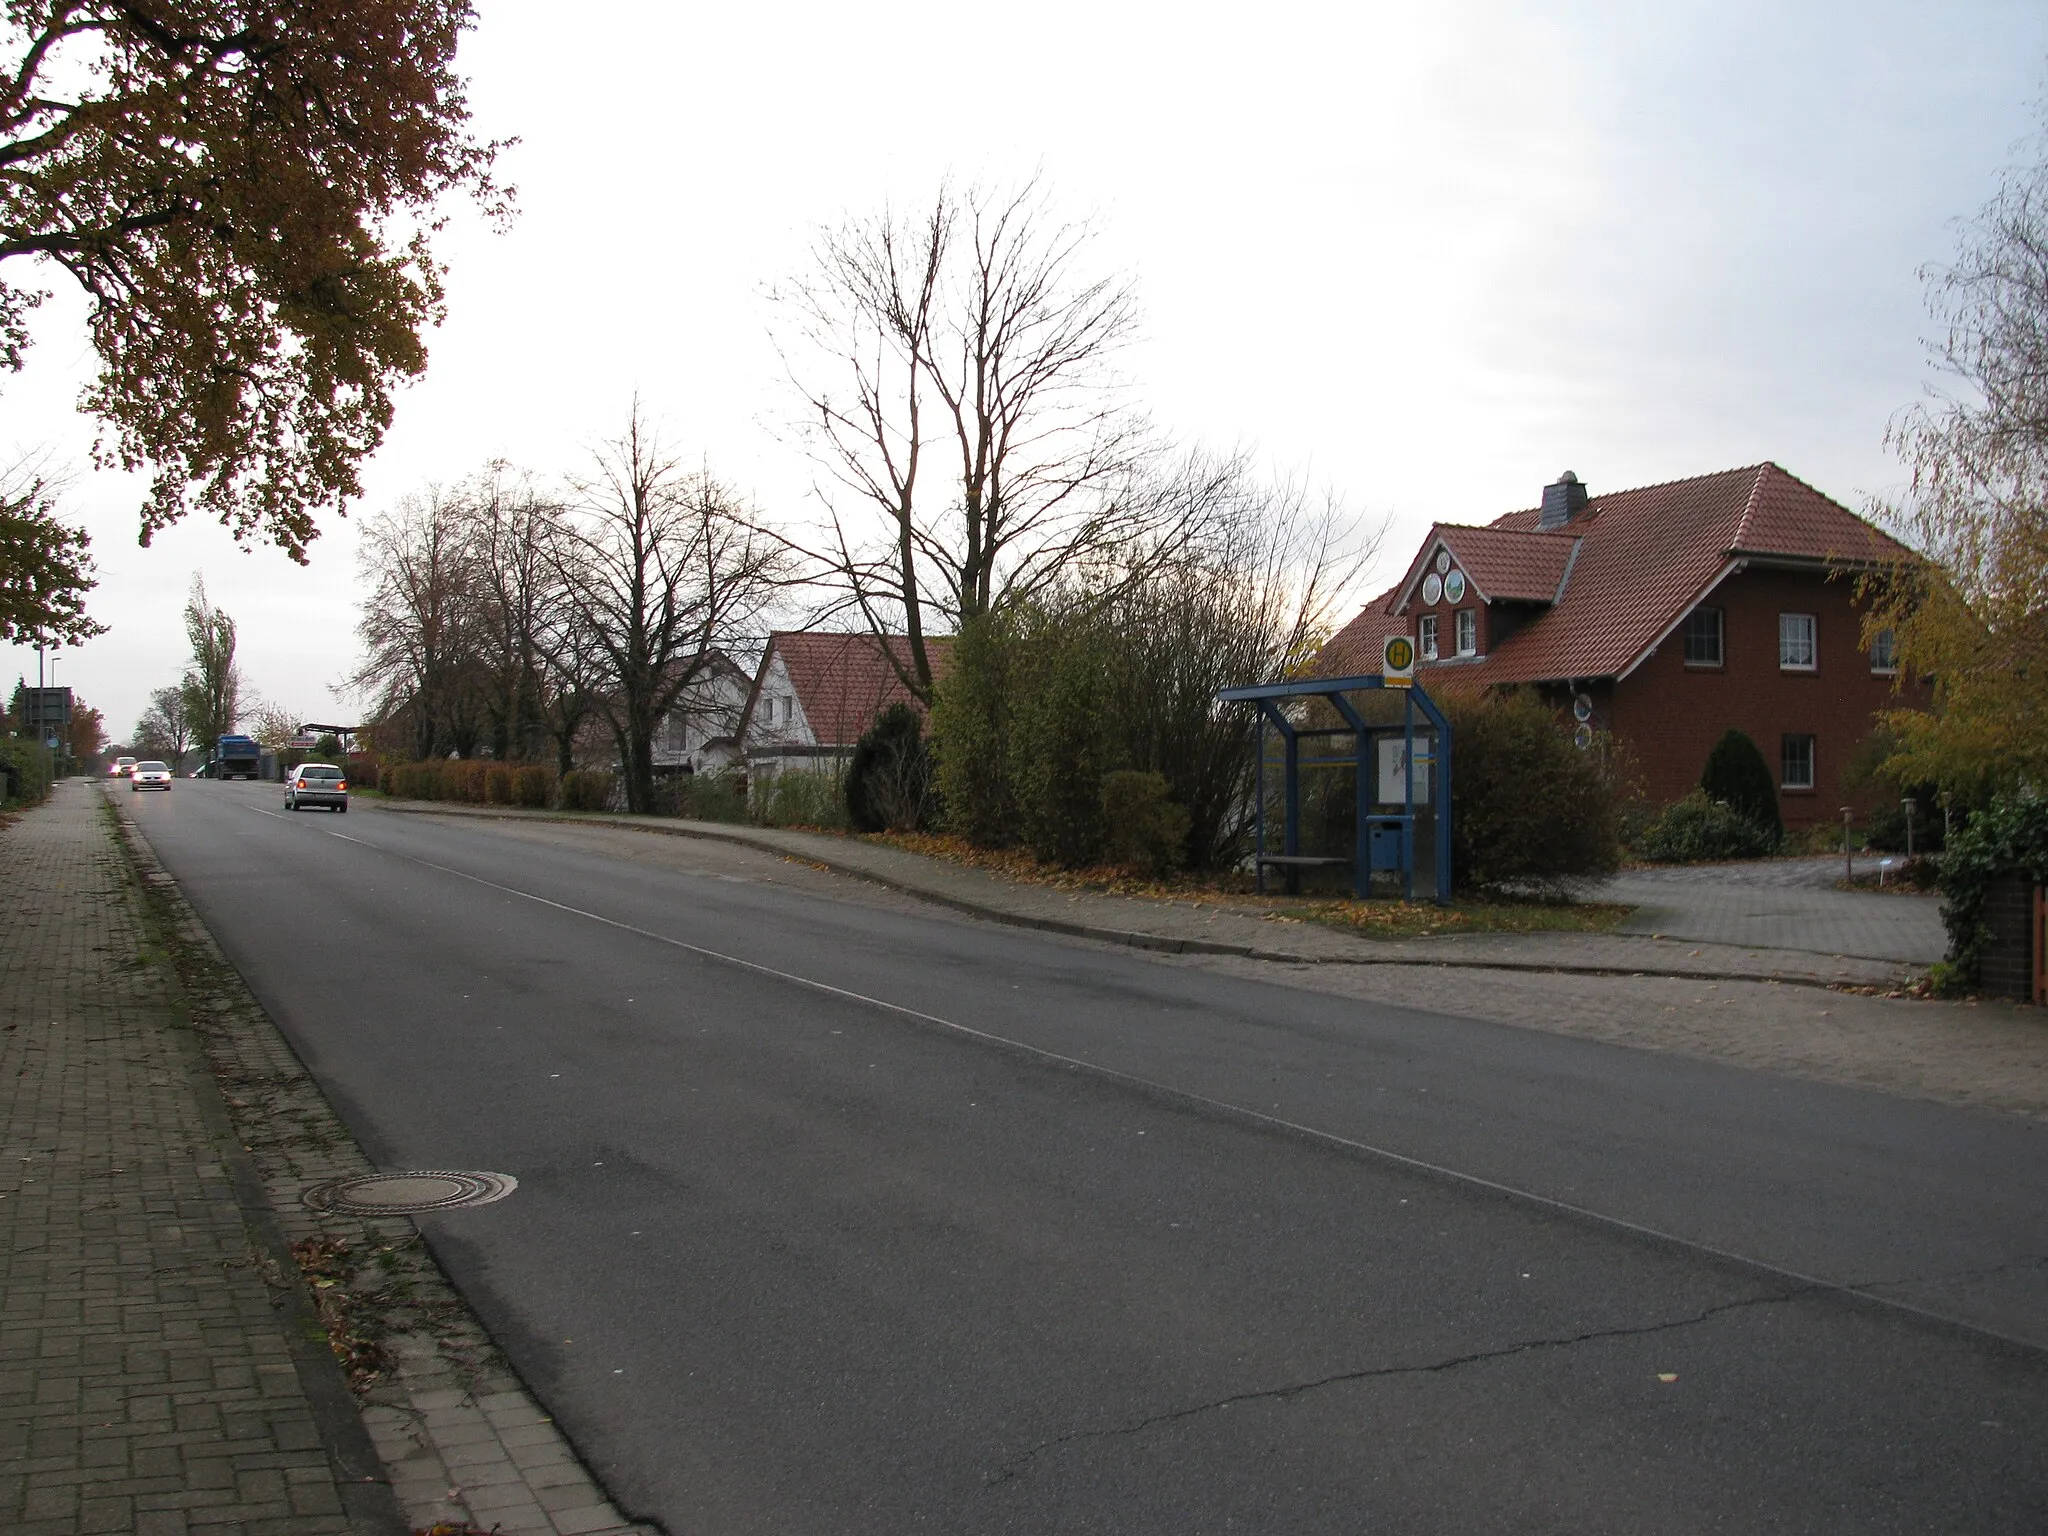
{"x": 2009, "y": 836}
{"x": 25, "y": 771}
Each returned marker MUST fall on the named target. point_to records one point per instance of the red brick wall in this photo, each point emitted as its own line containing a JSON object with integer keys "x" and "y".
{"x": 1671, "y": 714}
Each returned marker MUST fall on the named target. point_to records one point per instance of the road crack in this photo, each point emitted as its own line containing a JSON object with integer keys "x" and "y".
{"x": 1016, "y": 1467}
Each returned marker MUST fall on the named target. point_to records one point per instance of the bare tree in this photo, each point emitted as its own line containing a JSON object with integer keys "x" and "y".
{"x": 165, "y": 729}
{"x": 665, "y": 568}
{"x": 418, "y": 623}
{"x": 959, "y": 397}
{"x": 513, "y": 524}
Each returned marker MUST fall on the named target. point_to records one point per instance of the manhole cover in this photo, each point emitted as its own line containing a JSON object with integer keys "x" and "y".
{"x": 407, "y": 1194}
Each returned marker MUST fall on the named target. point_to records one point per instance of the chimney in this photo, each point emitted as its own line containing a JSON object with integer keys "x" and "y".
{"x": 1562, "y": 501}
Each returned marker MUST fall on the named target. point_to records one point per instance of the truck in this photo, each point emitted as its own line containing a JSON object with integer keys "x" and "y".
{"x": 234, "y": 757}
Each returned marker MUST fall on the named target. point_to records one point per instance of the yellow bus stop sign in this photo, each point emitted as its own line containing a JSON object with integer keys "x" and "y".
{"x": 1398, "y": 657}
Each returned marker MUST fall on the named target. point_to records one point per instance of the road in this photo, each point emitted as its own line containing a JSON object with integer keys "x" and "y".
{"x": 840, "y": 1216}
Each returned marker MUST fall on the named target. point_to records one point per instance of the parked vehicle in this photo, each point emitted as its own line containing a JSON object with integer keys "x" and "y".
{"x": 123, "y": 766}
{"x": 150, "y": 775}
{"x": 235, "y": 757}
{"x": 316, "y": 784}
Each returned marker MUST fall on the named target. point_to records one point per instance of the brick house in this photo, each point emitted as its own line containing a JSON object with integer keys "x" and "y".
{"x": 816, "y": 693}
{"x": 1664, "y": 615}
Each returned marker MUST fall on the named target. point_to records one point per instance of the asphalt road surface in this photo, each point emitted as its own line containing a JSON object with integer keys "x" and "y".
{"x": 839, "y": 1216}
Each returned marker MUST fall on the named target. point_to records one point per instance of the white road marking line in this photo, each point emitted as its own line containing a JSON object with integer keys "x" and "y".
{"x": 1798, "y": 1279}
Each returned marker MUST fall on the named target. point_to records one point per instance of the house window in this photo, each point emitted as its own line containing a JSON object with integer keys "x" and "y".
{"x": 1468, "y": 632}
{"x": 1703, "y": 638}
{"x": 1425, "y": 637}
{"x": 1796, "y": 651}
{"x": 1884, "y": 651}
{"x": 1798, "y": 763}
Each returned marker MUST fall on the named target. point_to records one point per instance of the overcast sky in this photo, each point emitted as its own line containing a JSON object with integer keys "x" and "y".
{"x": 1429, "y": 255}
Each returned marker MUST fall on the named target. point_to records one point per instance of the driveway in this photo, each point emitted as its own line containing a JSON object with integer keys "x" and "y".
{"x": 1783, "y": 904}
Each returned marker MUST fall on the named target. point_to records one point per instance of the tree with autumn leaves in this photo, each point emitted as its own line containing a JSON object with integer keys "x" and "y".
{"x": 1974, "y": 616}
{"x": 246, "y": 196}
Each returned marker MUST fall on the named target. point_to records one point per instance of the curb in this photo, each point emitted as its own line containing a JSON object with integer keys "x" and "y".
{"x": 1127, "y": 937}
{"x": 366, "y": 1494}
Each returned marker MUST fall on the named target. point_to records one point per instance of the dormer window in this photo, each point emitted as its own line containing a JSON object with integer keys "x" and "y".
{"x": 1425, "y": 637}
{"x": 1468, "y": 632}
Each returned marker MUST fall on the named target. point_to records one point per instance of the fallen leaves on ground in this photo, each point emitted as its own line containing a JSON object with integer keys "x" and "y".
{"x": 329, "y": 1264}
{"x": 1235, "y": 891}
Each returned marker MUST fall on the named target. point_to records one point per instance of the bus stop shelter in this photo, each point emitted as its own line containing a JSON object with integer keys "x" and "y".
{"x": 1402, "y": 778}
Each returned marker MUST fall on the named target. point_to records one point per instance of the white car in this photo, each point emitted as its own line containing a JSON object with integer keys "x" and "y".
{"x": 123, "y": 766}
{"x": 150, "y": 775}
{"x": 316, "y": 784}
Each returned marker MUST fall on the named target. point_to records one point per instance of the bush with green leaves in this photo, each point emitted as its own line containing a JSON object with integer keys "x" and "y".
{"x": 1697, "y": 828}
{"x": 1532, "y": 813}
{"x": 970, "y": 729}
{"x": 1142, "y": 826}
{"x": 533, "y": 786}
{"x": 799, "y": 798}
{"x": 889, "y": 780}
{"x": 1737, "y": 776}
{"x": 586, "y": 789}
{"x": 25, "y": 771}
{"x": 702, "y": 797}
{"x": 2009, "y": 836}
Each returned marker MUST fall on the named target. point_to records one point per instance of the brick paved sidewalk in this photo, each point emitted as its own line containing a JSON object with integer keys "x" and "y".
{"x": 150, "y": 1377}
{"x": 162, "y": 1367}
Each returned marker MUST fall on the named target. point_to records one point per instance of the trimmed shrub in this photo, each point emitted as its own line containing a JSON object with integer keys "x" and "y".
{"x": 586, "y": 789}
{"x": 889, "y": 781}
{"x": 1531, "y": 812}
{"x": 363, "y": 770}
{"x": 533, "y": 785}
{"x": 1143, "y": 827}
{"x": 2009, "y": 836}
{"x": 25, "y": 771}
{"x": 498, "y": 782}
{"x": 1697, "y": 828}
{"x": 1737, "y": 776}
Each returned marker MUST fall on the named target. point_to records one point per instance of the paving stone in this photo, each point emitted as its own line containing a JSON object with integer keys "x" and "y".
{"x": 136, "y": 1308}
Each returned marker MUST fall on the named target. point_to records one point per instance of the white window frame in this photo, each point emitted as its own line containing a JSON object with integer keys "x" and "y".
{"x": 1785, "y": 779}
{"x": 1885, "y": 640}
{"x": 1425, "y": 637}
{"x": 1720, "y": 638}
{"x": 1788, "y": 642}
{"x": 1466, "y": 628}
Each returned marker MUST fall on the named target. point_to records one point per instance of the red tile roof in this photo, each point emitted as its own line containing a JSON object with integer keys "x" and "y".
{"x": 1504, "y": 565}
{"x": 843, "y": 681}
{"x": 1645, "y": 557}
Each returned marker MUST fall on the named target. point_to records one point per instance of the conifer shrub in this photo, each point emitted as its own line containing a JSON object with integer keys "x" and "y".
{"x": 1737, "y": 776}
{"x": 889, "y": 780}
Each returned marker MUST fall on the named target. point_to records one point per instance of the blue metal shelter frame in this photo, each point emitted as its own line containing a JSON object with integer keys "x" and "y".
{"x": 1400, "y": 825}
